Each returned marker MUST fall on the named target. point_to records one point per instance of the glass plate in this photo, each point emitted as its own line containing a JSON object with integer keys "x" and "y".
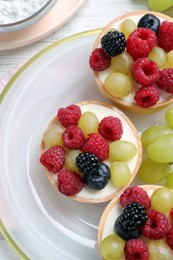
{"x": 37, "y": 220}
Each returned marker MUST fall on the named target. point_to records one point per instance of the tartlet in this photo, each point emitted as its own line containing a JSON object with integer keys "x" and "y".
{"x": 130, "y": 134}
{"x": 127, "y": 103}
{"x": 113, "y": 211}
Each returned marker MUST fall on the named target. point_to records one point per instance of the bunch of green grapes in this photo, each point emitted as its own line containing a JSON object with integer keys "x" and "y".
{"x": 160, "y": 5}
{"x": 157, "y": 142}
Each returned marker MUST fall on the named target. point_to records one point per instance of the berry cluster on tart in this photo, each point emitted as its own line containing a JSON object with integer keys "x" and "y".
{"x": 138, "y": 224}
{"x": 86, "y": 147}
{"x": 132, "y": 61}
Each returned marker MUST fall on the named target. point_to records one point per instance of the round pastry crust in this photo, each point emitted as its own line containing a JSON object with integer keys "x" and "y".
{"x": 108, "y": 197}
{"x": 132, "y": 107}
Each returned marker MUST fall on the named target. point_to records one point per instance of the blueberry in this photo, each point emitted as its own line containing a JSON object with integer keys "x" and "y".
{"x": 104, "y": 170}
{"x": 149, "y": 21}
{"x": 124, "y": 233}
{"x": 95, "y": 182}
{"x": 98, "y": 180}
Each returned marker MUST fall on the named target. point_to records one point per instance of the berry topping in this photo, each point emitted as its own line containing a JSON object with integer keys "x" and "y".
{"x": 145, "y": 71}
{"x": 113, "y": 43}
{"x": 135, "y": 194}
{"x": 87, "y": 163}
{"x": 69, "y": 115}
{"x": 147, "y": 96}
{"x": 165, "y": 36}
{"x": 69, "y": 182}
{"x": 140, "y": 42}
{"x": 124, "y": 233}
{"x": 99, "y": 180}
{"x": 129, "y": 223}
{"x": 165, "y": 81}
{"x": 171, "y": 213}
{"x": 149, "y": 21}
{"x": 96, "y": 144}
{"x": 134, "y": 216}
{"x": 169, "y": 238}
{"x": 136, "y": 249}
{"x": 104, "y": 170}
{"x": 98, "y": 60}
{"x": 95, "y": 182}
{"x": 73, "y": 137}
{"x": 53, "y": 158}
{"x": 156, "y": 226}
{"x": 111, "y": 128}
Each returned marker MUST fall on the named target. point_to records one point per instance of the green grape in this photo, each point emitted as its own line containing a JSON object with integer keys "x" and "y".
{"x": 169, "y": 181}
{"x": 122, "y": 150}
{"x": 152, "y": 172}
{"x": 159, "y": 250}
{"x": 160, "y": 5}
{"x": 161, "y": 150}
{"x": 53, "y": 136}
{"x": 169, "y": 117}
{"x": 151, "y": 133}
{"x": 122, "y": 63}
{"x": 88, "y": 122}
{"x": 127, "y": 27}
{"x": 120, "y": 174}
{"x": 118, "y": 84}
{"x": 162, "y": 200}
{"x": 70, "y": 160}
{"x": 112, "y": 247}
{"x": 170, "y": 59}
{"x": 159, "y": 56}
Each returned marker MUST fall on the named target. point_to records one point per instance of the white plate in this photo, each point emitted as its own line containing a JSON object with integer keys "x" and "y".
{"x": 43, "y": 223}
{"x": 61, "y": 12}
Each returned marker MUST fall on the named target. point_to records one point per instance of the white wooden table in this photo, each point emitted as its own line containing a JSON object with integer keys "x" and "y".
{"x": 93, "y": 14}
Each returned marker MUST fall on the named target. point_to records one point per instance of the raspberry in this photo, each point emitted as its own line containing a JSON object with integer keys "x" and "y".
{"x": 53, "y": 158}
{"x": 135, "y": 194}
{"x": 69, "y": 115}
{"x": 165, "y": 36}
{"x": 169, "y": 238}
{"x": 171, "y": 213}
{"x": 87, "y": 163}
{"x": 111, "y": 128}
{"x": 136, "y": 249}
{"x": 98, "y": 60}
{"x": 156, "y": 226}
{"x": 97, "y": 145}
{"x": 147, "y": 96}
{"x": 140, "y": 42}
{"x": 145, "y": 71}
{"x": 165, "y": 81}
{"x": 113, "y": 43}
{"x": 73, "y": 137}
{"x": 69, "y": 182}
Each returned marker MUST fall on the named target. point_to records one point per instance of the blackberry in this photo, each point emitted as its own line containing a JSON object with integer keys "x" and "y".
{"x": 134, "y": 216}
{"x": 128, "y": 225}
{"x": 113, "y": 43}
{"x": 87, "y": 163}
{"x": 149, "y": 21}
